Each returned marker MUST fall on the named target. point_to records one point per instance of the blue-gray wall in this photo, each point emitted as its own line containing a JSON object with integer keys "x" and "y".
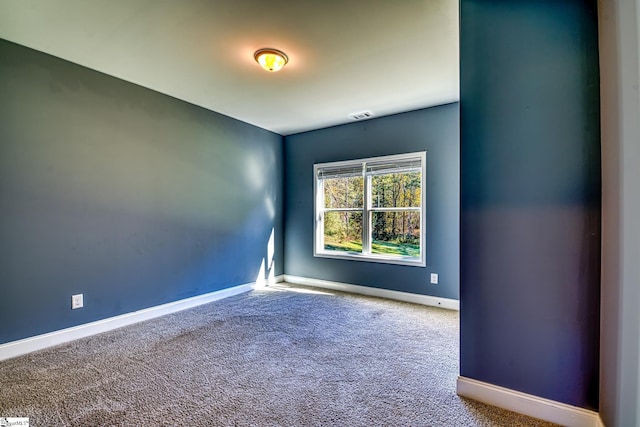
{"x": 530, "y": 197}
{"x": 128, "y": 196}
{"x": 435, "y": 130}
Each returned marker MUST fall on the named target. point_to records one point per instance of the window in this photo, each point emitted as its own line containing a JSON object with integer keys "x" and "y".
{"x": 371, "y": 209}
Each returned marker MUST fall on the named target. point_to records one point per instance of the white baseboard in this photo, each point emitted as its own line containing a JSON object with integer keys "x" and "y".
{"x": 600, "y": 423}
{"x": 39, "y": 342}
{"x": 447, "y": 303}
{"x": 527, "y": 404}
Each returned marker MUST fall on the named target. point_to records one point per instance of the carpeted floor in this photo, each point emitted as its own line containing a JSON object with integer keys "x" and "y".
{"x": 280, "y": 356}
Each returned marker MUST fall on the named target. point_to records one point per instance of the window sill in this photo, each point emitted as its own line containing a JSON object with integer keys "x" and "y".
{"x": 354, "y": 256}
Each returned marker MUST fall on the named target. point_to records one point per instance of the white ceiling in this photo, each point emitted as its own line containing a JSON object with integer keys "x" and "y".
{"x": 345, "y": 56}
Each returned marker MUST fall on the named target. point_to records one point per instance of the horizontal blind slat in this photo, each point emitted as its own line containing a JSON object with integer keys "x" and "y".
{"x": 400, "y": 166}
{"x": 345, "y": 171}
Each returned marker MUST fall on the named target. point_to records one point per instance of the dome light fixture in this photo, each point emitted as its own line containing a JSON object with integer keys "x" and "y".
{"x": 271, "y": 60}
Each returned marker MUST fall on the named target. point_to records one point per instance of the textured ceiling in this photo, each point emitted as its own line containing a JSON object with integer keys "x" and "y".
{"x": 344, "y": 56}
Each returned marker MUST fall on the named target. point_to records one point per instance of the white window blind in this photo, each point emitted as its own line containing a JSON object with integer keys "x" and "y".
{"x": 401, "y": 166}
{"x": 345, "y": 171}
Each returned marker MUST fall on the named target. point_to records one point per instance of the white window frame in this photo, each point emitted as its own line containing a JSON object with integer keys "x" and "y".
{"x": 367, "y": 211}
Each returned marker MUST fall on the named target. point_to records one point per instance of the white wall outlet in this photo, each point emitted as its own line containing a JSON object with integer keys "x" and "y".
{"x": 434, "y": 278}
{"x": 77, "y": 301}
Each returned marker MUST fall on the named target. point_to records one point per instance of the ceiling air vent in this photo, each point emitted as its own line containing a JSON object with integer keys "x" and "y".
{"x": 361, "y": 116}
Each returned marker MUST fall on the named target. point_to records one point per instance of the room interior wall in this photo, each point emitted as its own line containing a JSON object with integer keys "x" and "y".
{"x": 530, "y": 197}
{"x": 125, "y": 195}
{"x": 620, "y": 334}
{"x": 434, "y": 130}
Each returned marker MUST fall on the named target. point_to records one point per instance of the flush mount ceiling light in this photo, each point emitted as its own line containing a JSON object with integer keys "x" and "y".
{"x": 271, "y": 59}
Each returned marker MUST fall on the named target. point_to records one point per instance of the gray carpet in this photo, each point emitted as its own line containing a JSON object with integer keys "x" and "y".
{"x": 282, "y": 356}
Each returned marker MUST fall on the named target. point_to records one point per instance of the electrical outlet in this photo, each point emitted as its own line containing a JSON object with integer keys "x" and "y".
{"x": 77, "y": 301}
{"x": 434, "y": 278}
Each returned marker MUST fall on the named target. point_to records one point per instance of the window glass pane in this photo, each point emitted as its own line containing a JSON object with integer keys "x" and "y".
{"x": 343, "y": 231}
{"x": 395, "y": 233}
{"x": 344, "y": 192}
{"x": 396, "y": 190}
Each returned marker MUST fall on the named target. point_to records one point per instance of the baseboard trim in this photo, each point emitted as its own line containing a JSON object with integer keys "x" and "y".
{"x": 39, "y": 342}
{"x": 600, "y": 423}
{"x": 527, "y": 404}
{"x": 447, "y": 303}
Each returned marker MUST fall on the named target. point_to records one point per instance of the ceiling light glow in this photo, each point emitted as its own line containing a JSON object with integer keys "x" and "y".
{"x": 271, "y": 60}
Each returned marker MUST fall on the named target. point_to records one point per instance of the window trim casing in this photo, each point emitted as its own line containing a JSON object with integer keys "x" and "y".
{"x": 318, "y": 208}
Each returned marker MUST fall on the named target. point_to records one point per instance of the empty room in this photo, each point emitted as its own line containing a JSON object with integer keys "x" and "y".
{"x": 353, "y": 213}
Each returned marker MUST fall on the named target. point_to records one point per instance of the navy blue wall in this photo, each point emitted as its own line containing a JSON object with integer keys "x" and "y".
{"x": 128, "y": 196}
{"x": 435, "y": 130}
{"x": 530, "y": 197}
